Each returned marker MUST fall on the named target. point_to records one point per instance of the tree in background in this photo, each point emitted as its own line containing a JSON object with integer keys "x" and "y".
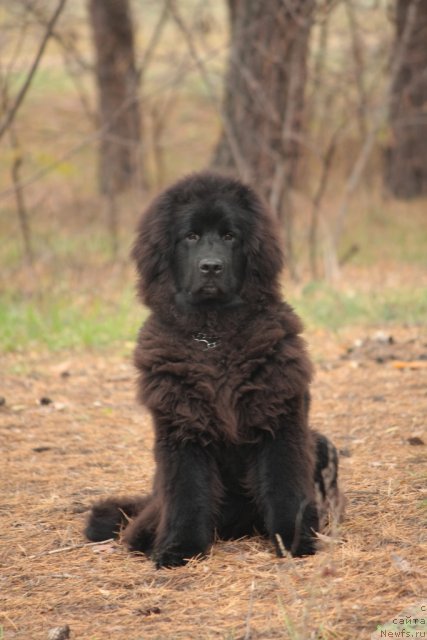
{"x": 117, "y": 79}
{"x": 406, "y": 158}
{"x": 264, "y": 94}
{"x": 264, "y": 98}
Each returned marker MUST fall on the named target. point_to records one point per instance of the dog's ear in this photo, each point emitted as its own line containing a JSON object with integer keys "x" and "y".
{"x": 153, "y": 247}
{"x": 263, "y": 248}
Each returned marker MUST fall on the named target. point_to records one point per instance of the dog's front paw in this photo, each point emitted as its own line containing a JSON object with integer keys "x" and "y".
{"x": 298, "y": 536}
{"x": 138, "y": 538}
{"x": 175, "y": 555}
{"x": 304, "y": 546}
{"x": 169, "y": 558}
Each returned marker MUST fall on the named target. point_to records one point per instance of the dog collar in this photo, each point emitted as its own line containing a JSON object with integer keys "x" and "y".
{"x": 211, "y": 342}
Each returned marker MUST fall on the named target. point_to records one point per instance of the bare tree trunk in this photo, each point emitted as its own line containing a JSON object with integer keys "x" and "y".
{"x": 120, "y": 149}
{"x": 264, "y": 93}
{"x": 21, "y": 208}
{"x": 406, "y": 157}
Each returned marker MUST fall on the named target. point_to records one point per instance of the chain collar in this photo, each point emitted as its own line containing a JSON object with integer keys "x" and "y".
{"x": 211, "y": 342}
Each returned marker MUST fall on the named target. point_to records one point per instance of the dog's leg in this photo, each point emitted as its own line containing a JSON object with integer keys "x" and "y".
{"x": 282, "y": 483}
{"x": 188, "y": 493}
{"x": 140, "y": 534}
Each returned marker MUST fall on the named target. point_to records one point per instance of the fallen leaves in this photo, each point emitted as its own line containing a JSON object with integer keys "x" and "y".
{"x": 411, "y": 364}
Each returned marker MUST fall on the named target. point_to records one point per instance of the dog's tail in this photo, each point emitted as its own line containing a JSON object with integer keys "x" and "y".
{"x": 108, "y": 517}
{"x": 330, "y": 500}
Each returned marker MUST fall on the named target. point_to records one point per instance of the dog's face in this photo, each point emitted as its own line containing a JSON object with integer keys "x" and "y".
{"x": 209, "y": 262}
{"x": 207, "y": 241}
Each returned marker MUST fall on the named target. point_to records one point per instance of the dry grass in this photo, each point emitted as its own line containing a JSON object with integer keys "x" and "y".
{"x": 59, "y": 456}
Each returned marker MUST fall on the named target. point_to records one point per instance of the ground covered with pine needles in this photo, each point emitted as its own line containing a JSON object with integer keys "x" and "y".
{"x": 71, "y": 432}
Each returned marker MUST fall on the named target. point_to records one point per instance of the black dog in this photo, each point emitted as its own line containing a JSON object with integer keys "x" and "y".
{"x": 226, "y": 376}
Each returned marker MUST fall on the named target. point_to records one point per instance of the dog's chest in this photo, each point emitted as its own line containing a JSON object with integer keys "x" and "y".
{"x": 207, "y": 368}
{"x": 227, "y": 388}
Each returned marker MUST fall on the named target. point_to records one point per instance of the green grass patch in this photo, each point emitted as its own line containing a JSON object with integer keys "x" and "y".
{"x": 321, "y": 305}
{"x": 61, "y": 321}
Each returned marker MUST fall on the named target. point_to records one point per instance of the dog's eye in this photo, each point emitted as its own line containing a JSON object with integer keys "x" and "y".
{"x": 227, "y": 237}
{"x": 193, "y": 237}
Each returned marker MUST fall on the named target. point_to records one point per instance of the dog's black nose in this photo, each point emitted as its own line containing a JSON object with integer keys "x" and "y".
{"x": 212, "y": 266}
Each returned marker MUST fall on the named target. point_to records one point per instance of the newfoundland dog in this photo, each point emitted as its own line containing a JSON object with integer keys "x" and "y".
{"x": 225, "y": 374}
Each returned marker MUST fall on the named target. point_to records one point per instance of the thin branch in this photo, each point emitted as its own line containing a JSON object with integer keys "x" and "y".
{"x": 15, "y": 54}
{"x": 319, "y": 72}
{"x": 65, "y": 40}
{"x": 26, "y": 85}
{"x": 72, "y": 547}
{"x": 317, "y": 199}
{"x": 15, "y": 171}
{"x": 72, "y": 58}
{"x": 378, "y": 120}
{"x": 241, "y": 164}
{"x": 113, "y": 221}
{"x": 20, "y": 204}
{"x": 90, "y": 113}
{"x": 359, "y": 70}
{"x": 159, "y": 117}
{"x": 152, "y": 44}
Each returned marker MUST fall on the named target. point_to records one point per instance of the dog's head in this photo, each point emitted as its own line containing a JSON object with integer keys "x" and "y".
{"x": 207, "y": 241}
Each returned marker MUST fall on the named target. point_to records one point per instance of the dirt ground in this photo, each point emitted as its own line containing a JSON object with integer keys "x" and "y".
{"x": 71, "y": 431}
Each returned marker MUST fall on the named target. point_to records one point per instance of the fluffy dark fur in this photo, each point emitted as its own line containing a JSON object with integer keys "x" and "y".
{"x": 225, "y": 375}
